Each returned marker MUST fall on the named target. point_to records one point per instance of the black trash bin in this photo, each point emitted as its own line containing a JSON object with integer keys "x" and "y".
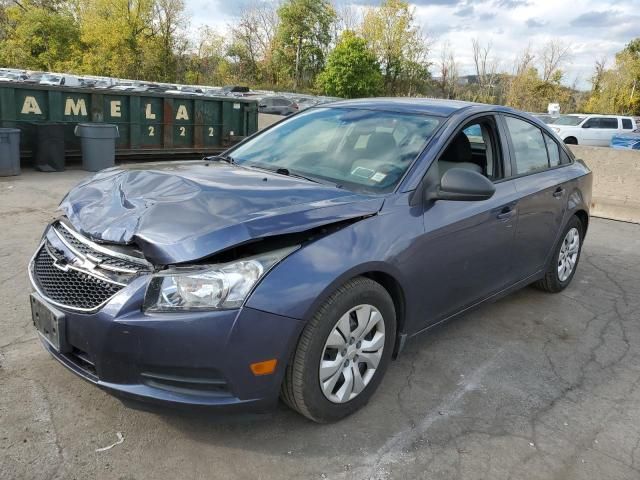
{"x": 9, "y": 152}
{"x": 49, "y": 148}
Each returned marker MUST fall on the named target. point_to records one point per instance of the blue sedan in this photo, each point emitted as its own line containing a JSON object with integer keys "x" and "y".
{"x": 297, "y": 264}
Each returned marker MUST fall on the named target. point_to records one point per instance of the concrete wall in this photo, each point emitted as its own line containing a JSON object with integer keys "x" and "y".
{"x": 616, "y": 181}
{"x": 266, "y": 119}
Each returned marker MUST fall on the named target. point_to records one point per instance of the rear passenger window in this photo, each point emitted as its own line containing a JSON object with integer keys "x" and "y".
{"x": 626, "y": 124}
{"x": 553, "y": 150}
{"x": 611, "y": 123}
{"x": 529, "y": 146}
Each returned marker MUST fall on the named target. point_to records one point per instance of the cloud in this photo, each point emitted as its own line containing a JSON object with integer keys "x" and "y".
{"x": 511, "y": 4}
{"x": 597, "y": 19}
{"x": 465, "y": 11}
{"x": 534, "y": 23}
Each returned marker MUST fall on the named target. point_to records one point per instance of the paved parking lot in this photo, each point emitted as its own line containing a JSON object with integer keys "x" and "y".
{"x": 535, "y": 386}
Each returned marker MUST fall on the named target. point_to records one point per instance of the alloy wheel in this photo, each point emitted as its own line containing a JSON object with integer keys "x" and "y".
{"x": 352, "y": 353}
{"x": 568, "y": 255}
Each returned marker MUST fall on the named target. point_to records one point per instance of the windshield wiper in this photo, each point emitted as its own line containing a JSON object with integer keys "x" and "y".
{"x": 287, "y": 172}
{"x": 225, "y": 158}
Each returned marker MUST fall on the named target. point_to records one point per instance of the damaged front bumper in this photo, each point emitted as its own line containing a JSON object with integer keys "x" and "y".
{"x": 199, "y": 358}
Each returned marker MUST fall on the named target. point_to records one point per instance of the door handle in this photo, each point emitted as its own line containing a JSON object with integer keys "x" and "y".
{"x": 559, "y": 192}
{"x": 505, "y": 213}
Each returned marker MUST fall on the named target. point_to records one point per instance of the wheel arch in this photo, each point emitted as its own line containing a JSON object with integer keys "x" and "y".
{"x": 379, "y": 273}
{"x": 395, "y": 290}
{"x": 583, "y": 216}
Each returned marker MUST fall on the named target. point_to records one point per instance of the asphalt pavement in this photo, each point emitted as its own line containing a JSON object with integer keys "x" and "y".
{"x": 534, "y": 386}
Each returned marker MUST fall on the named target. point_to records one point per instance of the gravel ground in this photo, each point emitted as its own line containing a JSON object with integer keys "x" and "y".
{"x": 535, "y": 386}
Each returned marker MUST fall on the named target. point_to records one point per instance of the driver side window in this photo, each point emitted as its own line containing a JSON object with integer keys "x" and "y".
{"x": 476, "y": 148}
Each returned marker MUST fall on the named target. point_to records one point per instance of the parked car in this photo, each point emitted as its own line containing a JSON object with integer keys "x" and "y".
{"x": 546, "y": 118}
{"x": 13, "y": 77}
{"x": 299, "y": 262}
{"x": 595, "y": 130}
{"x": 277, "y": 105}
{"x": 237, "y": 90}
{"x": 627, "y": 141}
{"x": 33, "y": 77}
{"x": 185, "y": 91}
{"x": 60, "y": 80}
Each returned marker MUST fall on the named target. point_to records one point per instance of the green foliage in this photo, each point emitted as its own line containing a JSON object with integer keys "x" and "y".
{"x": 303, "y": 37}
{"x": 352, "y": 69}
{"x": 117, "y": 34}
{"x": 38, "y": 37}
{"x": 391, "y": 32}
{"x": 617, "y": 91}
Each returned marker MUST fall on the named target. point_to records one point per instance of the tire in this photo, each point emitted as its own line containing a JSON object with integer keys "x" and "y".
{"x": 571, "y": 141}
{"x": 552, "y": 281}
{"x": 301, "y": 388}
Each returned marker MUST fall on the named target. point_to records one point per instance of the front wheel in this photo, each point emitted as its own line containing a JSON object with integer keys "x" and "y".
{"x": 342, "y": 353}
{"x": 566, "y": 257}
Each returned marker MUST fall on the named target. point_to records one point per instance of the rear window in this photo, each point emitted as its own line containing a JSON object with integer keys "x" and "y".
{"x": 529, "y": 146}
{"x": 611, "y": 123}
{"x": 553, "y": 150}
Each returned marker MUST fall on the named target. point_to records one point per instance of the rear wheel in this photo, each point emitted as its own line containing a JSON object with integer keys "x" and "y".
{"x": 343, "y": 352}
{"x": 566, "y": 257}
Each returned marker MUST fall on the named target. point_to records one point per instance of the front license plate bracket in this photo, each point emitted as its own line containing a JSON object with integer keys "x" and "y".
{"x": 50, "y": 323}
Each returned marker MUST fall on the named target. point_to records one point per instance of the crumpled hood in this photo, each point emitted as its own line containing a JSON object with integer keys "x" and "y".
{"x": 184, "y": 211}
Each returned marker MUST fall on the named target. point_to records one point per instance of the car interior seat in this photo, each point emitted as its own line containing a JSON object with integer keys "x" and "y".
{"x": 458, "y": 155}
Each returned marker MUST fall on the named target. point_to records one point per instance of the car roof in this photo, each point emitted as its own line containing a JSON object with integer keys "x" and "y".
{"x": 438, "y": 107}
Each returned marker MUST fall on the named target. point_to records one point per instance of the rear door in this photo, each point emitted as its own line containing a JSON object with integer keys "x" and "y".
{"x": 541, "y": 183}
{"x": 597, "y": 131}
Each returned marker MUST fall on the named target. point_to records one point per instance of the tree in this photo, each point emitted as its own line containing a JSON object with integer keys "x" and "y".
{"x": 448, "y": 72}
{"x": 352, "y": 69}
{"x": 553, "y": 54}
{"x": 166, "y": 41}
{"x": 486, "y": 71}
{"x": 252, "y": 43}
{"x": 116, "y": 33}
{"x": 303, "y": 38}
{"x": 400, "y": 45}
{"x": 40, "y": 36}
{"x": 617, "y": 90}
{"x": 207, "y": 64}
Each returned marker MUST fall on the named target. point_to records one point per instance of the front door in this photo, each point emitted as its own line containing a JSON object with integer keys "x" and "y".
{"x": 467, "y": 245}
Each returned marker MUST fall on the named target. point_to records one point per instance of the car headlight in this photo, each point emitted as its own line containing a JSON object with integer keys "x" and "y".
{"x": 210, "y": 287}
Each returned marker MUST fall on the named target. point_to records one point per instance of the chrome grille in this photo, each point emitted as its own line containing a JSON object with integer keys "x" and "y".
{"x": 73, "y": 272}
{"x": 70, "y": 288}
{"x": 83, "y": 247}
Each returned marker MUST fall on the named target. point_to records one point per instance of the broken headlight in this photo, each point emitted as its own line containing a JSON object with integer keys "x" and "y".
{"x": 209, "y": 287}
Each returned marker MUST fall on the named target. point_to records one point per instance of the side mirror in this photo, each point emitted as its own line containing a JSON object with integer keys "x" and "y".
{"x": 463, "y": 185}
{"x": 586, "y": 125}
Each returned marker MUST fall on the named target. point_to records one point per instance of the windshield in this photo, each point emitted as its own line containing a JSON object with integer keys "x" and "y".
{"x": 569, "y": 120}
{"x": 361, "y": 150}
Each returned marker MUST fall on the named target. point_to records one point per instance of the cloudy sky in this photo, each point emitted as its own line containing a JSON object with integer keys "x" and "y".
{"x": 594, "y": 28}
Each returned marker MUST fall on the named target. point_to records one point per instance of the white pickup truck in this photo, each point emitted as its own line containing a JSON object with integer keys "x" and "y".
{"x": 595, "y": 130}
